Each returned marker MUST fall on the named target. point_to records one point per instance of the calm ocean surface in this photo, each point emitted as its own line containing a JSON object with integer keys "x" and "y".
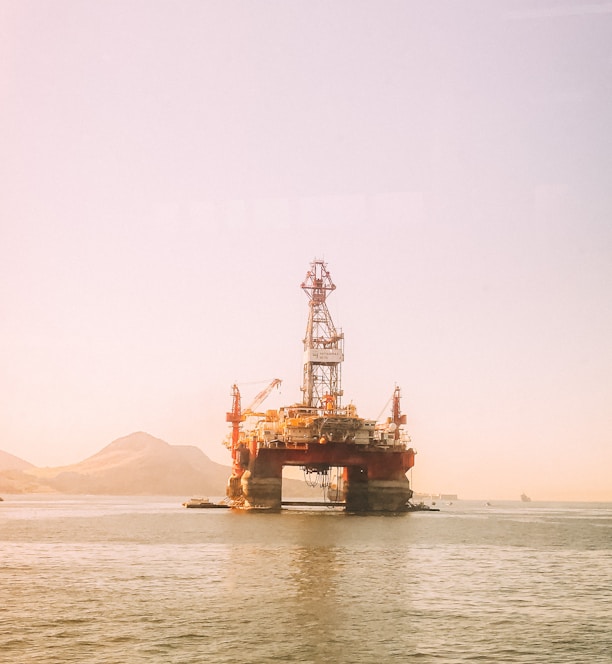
{"x": 130, "y": 580}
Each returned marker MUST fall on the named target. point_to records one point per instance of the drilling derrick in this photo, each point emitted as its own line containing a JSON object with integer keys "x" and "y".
{"x": 323, "y": 345}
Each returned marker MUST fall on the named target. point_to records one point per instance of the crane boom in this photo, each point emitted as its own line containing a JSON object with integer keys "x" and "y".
{"x": 259, "y": 398}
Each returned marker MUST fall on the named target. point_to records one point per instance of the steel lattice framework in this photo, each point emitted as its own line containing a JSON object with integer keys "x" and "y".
{"x": 323, "y": 344}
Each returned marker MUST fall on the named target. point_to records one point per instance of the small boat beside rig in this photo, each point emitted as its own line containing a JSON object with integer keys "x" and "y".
{"x": 319, "y": 433}
{"x": 205, "y": 503}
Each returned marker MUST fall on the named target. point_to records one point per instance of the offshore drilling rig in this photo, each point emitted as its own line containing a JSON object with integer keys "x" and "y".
{"x": 319, "y": 434}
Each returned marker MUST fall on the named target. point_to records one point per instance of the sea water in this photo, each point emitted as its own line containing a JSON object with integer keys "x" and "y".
{"x": 131, "y": 580}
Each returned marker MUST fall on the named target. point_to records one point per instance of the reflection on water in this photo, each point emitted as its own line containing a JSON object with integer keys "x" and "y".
{"x": 109, "y": 580}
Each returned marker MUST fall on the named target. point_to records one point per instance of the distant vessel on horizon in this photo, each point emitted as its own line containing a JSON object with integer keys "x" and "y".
{"x": 525, "y": 498}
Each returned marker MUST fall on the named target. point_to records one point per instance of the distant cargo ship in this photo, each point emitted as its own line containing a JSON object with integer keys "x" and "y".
{"x": 525, "y": 498}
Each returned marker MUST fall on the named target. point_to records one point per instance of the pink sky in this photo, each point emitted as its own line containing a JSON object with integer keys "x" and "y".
{"x": 170, "y": 169}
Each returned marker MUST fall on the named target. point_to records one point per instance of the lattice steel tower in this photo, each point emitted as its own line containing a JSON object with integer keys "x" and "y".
{"x": 323, "y": 344}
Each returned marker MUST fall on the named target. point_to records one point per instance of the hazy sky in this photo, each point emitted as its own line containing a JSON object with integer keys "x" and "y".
{"x": 169, "y": 169}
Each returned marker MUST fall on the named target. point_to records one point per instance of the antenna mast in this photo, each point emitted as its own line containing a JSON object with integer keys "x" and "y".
{"x": 323, "y": 344}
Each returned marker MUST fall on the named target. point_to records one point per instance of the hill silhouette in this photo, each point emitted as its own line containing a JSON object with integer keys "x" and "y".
{"x": 14, "y": 477}
{"x": 138, "y": 464}
{"x": 11, "y": 462}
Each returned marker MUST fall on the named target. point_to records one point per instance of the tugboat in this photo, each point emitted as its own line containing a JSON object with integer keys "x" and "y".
{"x": 319, "y": 433}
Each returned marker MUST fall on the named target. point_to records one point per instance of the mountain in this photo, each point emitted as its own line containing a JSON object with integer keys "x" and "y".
{"x": 13, "y": 477}
{"x": 11, "y": 462}
{"x": 138, "y": 464}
